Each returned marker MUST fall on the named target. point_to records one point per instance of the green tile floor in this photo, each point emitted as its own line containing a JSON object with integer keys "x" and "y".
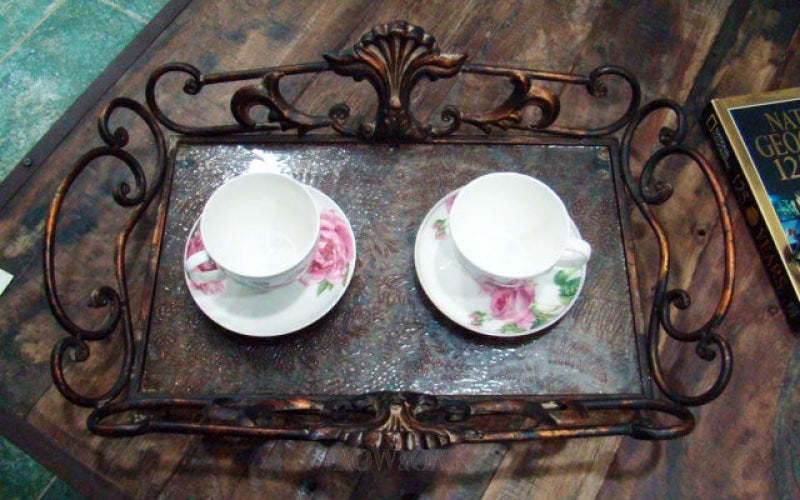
{"x": 50, "y": 51}
{"x": 22, "y": 477}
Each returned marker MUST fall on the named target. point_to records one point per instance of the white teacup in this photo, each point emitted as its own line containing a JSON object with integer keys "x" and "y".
{"x": 508, "y": 227}
{"x": 259, "y": 229}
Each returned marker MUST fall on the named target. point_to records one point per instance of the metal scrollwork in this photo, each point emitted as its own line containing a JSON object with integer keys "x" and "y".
{"x": 281, "y": 112}
{"x": 651, "y": 191}
{"x": 393, "y": 58}
{"x": 509, "y": 114}
{"x": 525, "y": 93}
{"x": 115, "y": 300}
{"x": 283, "y": 116}
{"x": 398, "y": 421}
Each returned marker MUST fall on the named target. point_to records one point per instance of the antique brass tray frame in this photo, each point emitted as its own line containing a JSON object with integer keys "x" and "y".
{"x": 393, "y": 58}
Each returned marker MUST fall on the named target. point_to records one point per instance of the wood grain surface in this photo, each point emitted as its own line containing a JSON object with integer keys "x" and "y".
{"x": 745, "y": 444}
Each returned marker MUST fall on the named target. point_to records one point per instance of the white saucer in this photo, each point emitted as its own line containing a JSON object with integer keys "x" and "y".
{"x": 528, "y": 309}
{"x": 285, "y": 309}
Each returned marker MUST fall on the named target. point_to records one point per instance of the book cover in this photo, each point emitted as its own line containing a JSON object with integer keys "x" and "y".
{"x": 757, "y": 138}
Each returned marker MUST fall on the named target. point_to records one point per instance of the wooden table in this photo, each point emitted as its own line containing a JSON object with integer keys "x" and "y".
{"x": 745, "y": 443}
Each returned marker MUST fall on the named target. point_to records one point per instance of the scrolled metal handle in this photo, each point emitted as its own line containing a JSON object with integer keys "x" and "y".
{"x": 113, "y": 299}
{"x": 652, "y": 191}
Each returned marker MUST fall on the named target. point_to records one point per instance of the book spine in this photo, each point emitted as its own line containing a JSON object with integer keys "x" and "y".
{"x": 771, "y": 256}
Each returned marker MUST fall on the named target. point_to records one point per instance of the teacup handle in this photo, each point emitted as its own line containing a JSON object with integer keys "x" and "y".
{"x": 201, "y": 277}
{"x": 576, "y": 253}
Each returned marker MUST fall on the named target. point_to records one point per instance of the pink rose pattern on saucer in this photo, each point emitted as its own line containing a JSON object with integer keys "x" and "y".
{"x": 440, "y": 226}
{"x": 510, "y": 303}
{"x": 514, "y": 304}
{"x": 195, "y": 245}
{"x": 330, "y": 264}
{"x": 335, "y": 250}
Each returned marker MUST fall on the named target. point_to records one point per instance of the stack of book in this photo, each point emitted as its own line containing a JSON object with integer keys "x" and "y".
{"x": 757, "y": 138}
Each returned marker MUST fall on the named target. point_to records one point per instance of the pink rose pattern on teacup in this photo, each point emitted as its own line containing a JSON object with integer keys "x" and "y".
{"x": 440, "y": 225}
{"x": 329, "y": 265}
{"x": 195, "y": 245}
{"x": 335, "y": 250}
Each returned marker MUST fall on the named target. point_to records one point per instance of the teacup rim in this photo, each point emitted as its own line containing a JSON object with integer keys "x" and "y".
{"x": 307, "y": 252}
{"x": 493, "y": 273}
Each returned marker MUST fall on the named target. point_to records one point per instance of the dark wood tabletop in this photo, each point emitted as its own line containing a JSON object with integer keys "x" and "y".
{"x": 744, "y": 444}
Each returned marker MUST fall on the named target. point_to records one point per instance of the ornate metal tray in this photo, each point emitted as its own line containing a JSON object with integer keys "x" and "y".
{"x": 385, "y": 369}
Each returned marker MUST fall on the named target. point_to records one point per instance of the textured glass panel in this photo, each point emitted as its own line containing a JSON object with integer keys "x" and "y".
{"x": 385, "y": 334}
